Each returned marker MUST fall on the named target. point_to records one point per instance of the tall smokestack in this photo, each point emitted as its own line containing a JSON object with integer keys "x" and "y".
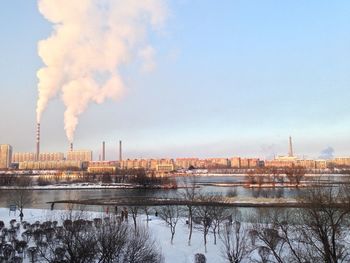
{"x": 120, "y": 151}
{"x": 290, "y": 153}
{"x": 71, "y": 147}
{"x": 37, "y": 141}
{"x": 103, "y": 151}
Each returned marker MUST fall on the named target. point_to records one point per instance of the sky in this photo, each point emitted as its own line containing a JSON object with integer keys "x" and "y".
{"x": 232, "y": 78}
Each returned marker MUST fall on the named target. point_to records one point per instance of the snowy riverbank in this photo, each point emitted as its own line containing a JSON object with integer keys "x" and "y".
{"x": 82, "y": 186}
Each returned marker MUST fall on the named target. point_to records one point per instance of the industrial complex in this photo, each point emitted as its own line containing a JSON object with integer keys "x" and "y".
{"x": 83, "y": 160}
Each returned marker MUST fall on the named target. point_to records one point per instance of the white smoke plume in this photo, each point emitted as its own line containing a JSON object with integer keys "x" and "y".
{"x": 91, "y": 40}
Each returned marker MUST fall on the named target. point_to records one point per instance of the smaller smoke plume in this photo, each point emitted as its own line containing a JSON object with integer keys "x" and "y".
{"x": 327, "y": 153}
{"x": 269, "y": 151}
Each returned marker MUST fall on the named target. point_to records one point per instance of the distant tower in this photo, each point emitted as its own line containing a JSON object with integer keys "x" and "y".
{"x": 103, "y": 151}
{"x": 290, "y": 152}
{"x": 37, "y": 141}
{"x": 120, "y": 151}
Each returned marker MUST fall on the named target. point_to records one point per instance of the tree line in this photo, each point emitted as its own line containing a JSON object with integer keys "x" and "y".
{"x": 139, "y": 177}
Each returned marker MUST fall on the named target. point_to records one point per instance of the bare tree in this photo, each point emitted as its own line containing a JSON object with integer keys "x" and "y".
{"x": 141, "y": 248}
{"x": 324, "y": 227}
{"x": 203, "y": 214}
{"x": 316, "y": 232}
{"x": 295, "y": 174}
{"x": 21, "y": 197}
{"x": 80, "y": 244}
{"x": 147, "y": 211}
{"x": 170, "y": 215}
{"x": 275, "y": 175}
{"x": 266, "y": 236}
{"x": 286, "y": 222}
{"x": 112, "y": 238}
{"x": 134, "y": 210}
{"x": 190, "y": 193}
{"x": 234, "y": 240}
{"x": 250, "y": 177}
{"x": 217, "y": 214}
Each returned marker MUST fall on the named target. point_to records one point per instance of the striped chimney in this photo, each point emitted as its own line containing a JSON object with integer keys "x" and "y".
{"x": 37, "y": 141}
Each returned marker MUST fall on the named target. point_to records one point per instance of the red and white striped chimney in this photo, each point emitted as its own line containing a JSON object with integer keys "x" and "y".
{"x": 37, "y": 141}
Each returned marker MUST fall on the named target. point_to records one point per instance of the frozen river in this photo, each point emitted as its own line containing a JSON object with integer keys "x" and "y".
{"x": 212, "y": 184}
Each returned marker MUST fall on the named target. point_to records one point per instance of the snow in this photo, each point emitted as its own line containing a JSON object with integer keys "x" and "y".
{"x": 178, "y": 252}
{"x": 74, "y": 186}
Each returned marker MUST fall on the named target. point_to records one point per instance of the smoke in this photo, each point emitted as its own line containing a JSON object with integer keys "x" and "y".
{"x": 269, "y": 151}
{"x": 327, "y": 153}
{"x": 91, "y": 40}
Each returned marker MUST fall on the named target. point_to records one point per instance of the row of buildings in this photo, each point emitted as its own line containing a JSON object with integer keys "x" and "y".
{"x": 282, "y": 162}
{"x": 76, "y": 155}
{"x": 235, "y": 163}
{"x": 5, "y": 156}
{"x": 73, "y": 160}
{"x": 83, "y": 159}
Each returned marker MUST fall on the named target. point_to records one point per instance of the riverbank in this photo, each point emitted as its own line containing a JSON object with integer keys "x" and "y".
{"x": 161, "y": 201}
{"x": 88, "y": 186}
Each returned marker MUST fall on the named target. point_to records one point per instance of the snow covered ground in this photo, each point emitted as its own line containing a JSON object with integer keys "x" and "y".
{"x": 74, "y": 186}
{"x": 178, "y": 252}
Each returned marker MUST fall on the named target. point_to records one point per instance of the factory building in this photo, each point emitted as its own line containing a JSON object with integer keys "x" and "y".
{"x": 102, "y": 167}
{"x": 286, "y": 161}
{"x": 341, "y": 161}
{"x": 165, "y": 168}
{"x": 51, "y": 156}
{"x": 279, "y": 163}
{"x": 30, "y": 157}
{"x": 185, "y": 163}
{"x": 51, "y": 165}
{"x": 217, "y": 163}
{"x": 5, "y": 156}
{"x": 321, "y": 164}
{"x": 245, "y": 163}
{"x": 23, "y": 157}
{"x": 134, "y": 164}
{"x": 152, "y": 164}
{"x": 79, "y": 155}
{"x": 235, "y": 162}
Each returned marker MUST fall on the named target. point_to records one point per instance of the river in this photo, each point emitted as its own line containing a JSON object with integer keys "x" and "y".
{"x": 208, "y": 184}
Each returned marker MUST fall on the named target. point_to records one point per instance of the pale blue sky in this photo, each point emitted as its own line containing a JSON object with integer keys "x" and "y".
{"x": 232, "y": 78}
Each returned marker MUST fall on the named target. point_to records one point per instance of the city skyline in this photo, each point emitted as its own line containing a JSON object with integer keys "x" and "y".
{"x": 231, "y": 79}
{"x": 114, "y": 152}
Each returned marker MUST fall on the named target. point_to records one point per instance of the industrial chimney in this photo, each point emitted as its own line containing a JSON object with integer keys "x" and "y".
{"x": 37, "y": 141}
{"x": 290, "y": 153}
{"x": 120, "y": 151}
{"x": 103, "y": 151}
{"x": 71, "y": 147}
